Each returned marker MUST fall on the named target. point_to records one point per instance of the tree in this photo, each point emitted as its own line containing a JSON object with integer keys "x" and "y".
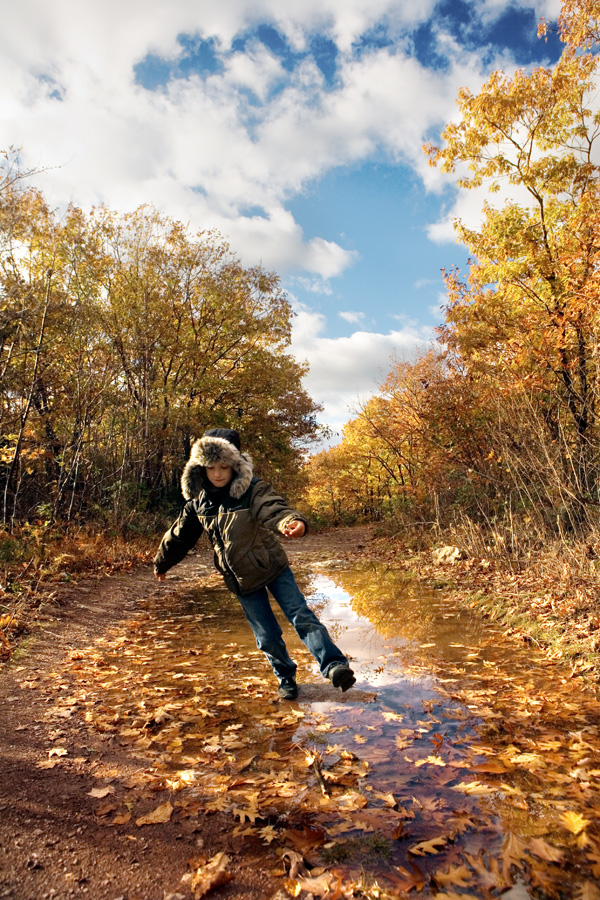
{"x": 525, "y": 320}
{"x": 121, "y": 339}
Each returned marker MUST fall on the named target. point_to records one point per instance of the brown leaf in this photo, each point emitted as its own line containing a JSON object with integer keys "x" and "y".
{"x": 99, "y": 793}
{"x": 425, "y": 847}
{"x": 542, "y": 850}
{"x": 407, "y": 881}
{"x": 306, "y": 838}
{"x": 513, "y": 853}
{"x": 158, "y": 816}
{"x": 122, "y": 819}
{"x": 209, "y": 876}
{"x": 588, "y": 891}
{"x": 457, "y": 875}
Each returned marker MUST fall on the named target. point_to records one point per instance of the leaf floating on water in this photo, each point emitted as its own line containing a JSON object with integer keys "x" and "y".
{"x": 455, "y": 875}
{"x": 543, "y": 850}
{"x": 475, "y": 788}
{"x": 426, "y": 847}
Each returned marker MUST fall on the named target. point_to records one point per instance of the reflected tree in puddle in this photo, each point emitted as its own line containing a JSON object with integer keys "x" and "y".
{"x": 459, "y": 765}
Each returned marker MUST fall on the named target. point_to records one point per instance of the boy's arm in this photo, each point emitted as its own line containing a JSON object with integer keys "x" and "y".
{"x": 272, "y": 510}
{"x": 293, "y": 528}
{"x": 178, "y": 541}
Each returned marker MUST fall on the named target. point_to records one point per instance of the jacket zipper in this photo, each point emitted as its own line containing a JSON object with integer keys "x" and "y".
{"x": 226, "y": 566}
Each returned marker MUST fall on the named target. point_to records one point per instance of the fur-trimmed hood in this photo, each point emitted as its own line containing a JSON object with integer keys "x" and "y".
{"x": 207, "y": 451}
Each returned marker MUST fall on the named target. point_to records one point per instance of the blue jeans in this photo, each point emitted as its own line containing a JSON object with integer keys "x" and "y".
{"x": 267, "y": 630}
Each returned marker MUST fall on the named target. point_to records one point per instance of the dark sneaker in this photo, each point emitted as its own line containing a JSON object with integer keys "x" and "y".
{"x": 341, "y": 676}
{"x": 288, "y": 689}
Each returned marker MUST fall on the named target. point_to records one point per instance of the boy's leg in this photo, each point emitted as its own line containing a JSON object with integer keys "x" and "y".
{"x": 310, "y": 630}
{"x": 267, "y": 632}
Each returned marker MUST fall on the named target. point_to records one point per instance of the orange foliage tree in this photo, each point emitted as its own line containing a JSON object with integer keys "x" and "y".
{"x": 505, "y": 415}
{"x": 121, "y": 339}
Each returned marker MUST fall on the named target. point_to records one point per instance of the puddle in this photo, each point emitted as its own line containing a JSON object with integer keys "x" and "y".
{"x": 457, "y": 761}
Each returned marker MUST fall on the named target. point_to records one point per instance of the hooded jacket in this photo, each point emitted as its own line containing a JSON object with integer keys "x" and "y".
{"x": 240, "y": 520}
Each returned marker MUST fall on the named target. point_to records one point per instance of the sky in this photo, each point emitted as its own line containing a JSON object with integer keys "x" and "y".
{"x": 293, "y": 127}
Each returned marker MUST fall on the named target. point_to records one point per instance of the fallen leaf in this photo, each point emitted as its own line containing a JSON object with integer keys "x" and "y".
{"x": 430, "y": 760}
{"x": 211, "y": 875}
{"x": 99, "y": 793}
{"x": 425, "y": 847}
{"x": 450, "y": 895}
{"x": 513, "y": 854}
{"x": 475, "y": 788}
{"x": 307, "y": 838}
{"x": 457, "y": 875}
{"x": 542, "y": 850}
{"x": 574, "y": 822}
{"x": 268, "y": 834}
{"x": 587, "y": 891}
{"x": 158, "y": 816}
{"x": 122, "y": 819}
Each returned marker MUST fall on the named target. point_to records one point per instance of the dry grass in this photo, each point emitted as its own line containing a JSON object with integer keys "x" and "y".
{"x": 35, "y": 562}
{"x": 544, "y": 592}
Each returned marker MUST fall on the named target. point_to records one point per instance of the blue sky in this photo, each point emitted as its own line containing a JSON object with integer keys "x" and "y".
{"x": 294, "y": 127}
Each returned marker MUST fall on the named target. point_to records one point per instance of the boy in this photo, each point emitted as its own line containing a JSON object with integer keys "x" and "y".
{"x": 241, "y": 515}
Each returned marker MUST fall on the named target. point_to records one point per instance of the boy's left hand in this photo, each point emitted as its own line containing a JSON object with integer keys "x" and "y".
{"x": 294, "y": 529}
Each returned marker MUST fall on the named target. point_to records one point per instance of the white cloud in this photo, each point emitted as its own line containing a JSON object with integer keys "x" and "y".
{"x": 345, "y": 371}
{"x": 208, "y": 149}
{"x": 352, "y": 317}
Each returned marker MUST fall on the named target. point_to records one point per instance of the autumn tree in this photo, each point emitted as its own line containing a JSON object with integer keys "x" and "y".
{"x": 525, "y": 319}
{"x": 121, "y": 339}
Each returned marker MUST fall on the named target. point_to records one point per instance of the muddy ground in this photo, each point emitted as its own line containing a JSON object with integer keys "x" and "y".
{"x": 52, "y": 843}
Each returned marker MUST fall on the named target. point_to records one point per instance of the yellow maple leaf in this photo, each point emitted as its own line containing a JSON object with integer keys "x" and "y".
{"x": 268, "y": 834}
{"x": 431, "y": 760}
{"x": 574, "y": 822}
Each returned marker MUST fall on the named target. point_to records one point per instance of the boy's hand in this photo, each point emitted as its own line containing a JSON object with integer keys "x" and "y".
{"x": 294, "y": 529}
{"x": 160, "y": 576}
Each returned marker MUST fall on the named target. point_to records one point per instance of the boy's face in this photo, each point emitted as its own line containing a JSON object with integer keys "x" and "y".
{"x": 219, "y": 475}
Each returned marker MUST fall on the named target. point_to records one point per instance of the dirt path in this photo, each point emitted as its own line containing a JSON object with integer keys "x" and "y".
{"x": 52, "y": 842}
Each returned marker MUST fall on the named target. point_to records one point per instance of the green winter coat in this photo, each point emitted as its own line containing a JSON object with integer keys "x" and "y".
{"x": 241, "y": 522}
